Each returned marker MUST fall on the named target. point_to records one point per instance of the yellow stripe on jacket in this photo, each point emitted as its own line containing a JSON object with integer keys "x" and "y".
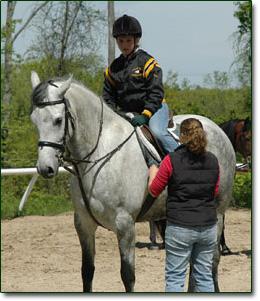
{"x": 149, "y": 66}
{"x": 109, "y": 77}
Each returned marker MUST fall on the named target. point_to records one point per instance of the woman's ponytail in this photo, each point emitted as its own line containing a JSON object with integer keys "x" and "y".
{"x": 193, "y": 136}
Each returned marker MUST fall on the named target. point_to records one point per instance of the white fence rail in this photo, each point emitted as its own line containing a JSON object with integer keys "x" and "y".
{"x": 33, "y": 171}
{"x": 25, "y": 171}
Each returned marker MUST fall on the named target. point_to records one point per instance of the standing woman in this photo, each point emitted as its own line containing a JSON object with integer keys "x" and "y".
{"x": 133, "y": 83}
{"x": 192, "y": 176}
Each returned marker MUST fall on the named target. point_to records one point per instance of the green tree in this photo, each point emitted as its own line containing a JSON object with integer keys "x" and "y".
{"x": 242, "y": 42}
{"x": 172, "y": 80}
{"x": 8, "y": 37}
{"x": 217, "y": 80}
{"x": 67, "y": 31}
{"x": 185, "y": 84}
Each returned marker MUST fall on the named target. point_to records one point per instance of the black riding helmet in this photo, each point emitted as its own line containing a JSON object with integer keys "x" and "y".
{"x": 127, "y": 26}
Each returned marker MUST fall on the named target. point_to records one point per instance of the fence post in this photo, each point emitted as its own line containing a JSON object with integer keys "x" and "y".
{"x": 27, "y": 192}
{"x": 25, "y": 171}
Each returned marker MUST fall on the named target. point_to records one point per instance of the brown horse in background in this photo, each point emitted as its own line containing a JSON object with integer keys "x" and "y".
{"x": 240, "y": 134}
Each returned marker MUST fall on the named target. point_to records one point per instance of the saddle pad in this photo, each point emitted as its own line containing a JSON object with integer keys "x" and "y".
{"x": 148, "y": 146}
{"x": 149, "y": 135}
{"x": 175, "y": 131}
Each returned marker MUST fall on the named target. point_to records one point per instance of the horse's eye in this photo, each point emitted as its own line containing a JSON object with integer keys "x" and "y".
{"x": 58, "y": 121}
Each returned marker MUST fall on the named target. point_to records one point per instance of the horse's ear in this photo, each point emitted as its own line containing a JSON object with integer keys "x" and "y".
{"x": 35, "y": 79}
{"x": 65, "y": 86}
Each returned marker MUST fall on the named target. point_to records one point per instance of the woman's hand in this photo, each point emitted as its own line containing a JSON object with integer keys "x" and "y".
{"x": 152, "y": 173}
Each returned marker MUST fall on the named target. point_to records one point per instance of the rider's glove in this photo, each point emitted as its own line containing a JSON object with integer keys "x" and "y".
{"x": 139, "y": 120}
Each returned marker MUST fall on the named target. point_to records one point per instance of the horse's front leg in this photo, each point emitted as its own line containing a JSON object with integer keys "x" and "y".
{"x": 86, "y": 232}
{"x": 126, "y": 243}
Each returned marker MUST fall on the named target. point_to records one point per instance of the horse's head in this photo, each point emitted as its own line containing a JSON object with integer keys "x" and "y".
{"x": 49, "y": 115}
{"x": 243, "y": 137}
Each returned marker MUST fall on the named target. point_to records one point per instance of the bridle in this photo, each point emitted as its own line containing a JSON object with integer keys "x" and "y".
{"x": 68, "y": 117}
{"x": 62, "y": 147}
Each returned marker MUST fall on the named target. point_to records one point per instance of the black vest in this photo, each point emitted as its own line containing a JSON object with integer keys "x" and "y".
{"x": 191, "y": 188}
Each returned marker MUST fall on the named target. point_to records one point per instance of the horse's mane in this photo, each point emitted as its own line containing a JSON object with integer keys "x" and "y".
{"x": 229, "y": 128}
{"x": 39, "y": 94}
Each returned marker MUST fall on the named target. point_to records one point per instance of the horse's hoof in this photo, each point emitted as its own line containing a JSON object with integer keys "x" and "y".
{"x": 226, "y": 251}
{"x": 154, "y": 246}
{"x": 162, "y": 246}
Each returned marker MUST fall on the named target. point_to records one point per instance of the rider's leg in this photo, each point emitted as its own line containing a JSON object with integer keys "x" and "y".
{"x": 159, "y": 124}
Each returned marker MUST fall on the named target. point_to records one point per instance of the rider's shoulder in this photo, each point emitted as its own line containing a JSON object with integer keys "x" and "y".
{"x": 144, "y": 56}
{"x": 147, "y": 60}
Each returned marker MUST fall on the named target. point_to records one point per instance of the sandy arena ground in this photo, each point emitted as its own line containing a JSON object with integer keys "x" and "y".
{"x": 42, "y": 254}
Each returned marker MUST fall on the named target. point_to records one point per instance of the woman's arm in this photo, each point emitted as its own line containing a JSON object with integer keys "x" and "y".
{"x": 159, "y": 178}
{"x": 152, "y": 173}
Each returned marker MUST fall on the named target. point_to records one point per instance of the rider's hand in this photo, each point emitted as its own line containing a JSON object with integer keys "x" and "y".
{"x": 139, "y": 120}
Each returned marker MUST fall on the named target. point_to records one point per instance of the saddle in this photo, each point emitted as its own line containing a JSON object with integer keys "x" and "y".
{"x": 148, "y": 134}
{"x": 150, "y": 146}
{"x": 152, "y": 149}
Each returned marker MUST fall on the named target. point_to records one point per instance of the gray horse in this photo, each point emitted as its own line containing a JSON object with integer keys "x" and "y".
{"x": 110, "y": 185}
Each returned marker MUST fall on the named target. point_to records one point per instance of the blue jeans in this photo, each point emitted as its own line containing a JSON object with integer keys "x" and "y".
{"x": 184, "y": 245}
{"x": 159, "y": 124}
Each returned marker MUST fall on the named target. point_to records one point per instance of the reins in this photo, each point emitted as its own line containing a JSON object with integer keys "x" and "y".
{"x": 86, "y": 159}
{"x": 106, "y": 158}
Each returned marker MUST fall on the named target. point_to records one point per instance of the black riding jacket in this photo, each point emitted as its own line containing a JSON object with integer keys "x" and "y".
{"x": 134, "y": 84}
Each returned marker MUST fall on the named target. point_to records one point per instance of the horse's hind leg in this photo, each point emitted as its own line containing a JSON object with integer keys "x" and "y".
{"x": 191, "y": 283}
{"x": 216, "y": 257}
{"x": 152, "y": 232}
{"x": 153, "y": 228}
{"x": 161, "y": 226}
{"x": 224, "y": 248}
{"x": 126, "y": 242}
{"x": 86, "y": 233}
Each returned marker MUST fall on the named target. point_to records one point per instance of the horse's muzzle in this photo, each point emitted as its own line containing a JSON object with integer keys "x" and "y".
{"x": 47, "y": 172}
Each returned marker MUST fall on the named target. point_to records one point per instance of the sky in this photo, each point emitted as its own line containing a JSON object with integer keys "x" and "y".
{"x": 192, "y": 38}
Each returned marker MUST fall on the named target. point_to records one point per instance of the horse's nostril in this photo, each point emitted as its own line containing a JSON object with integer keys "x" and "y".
{"x": 50, "y": 171}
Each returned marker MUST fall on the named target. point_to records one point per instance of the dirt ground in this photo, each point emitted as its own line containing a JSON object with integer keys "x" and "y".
{"x": 42, "y": 254}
